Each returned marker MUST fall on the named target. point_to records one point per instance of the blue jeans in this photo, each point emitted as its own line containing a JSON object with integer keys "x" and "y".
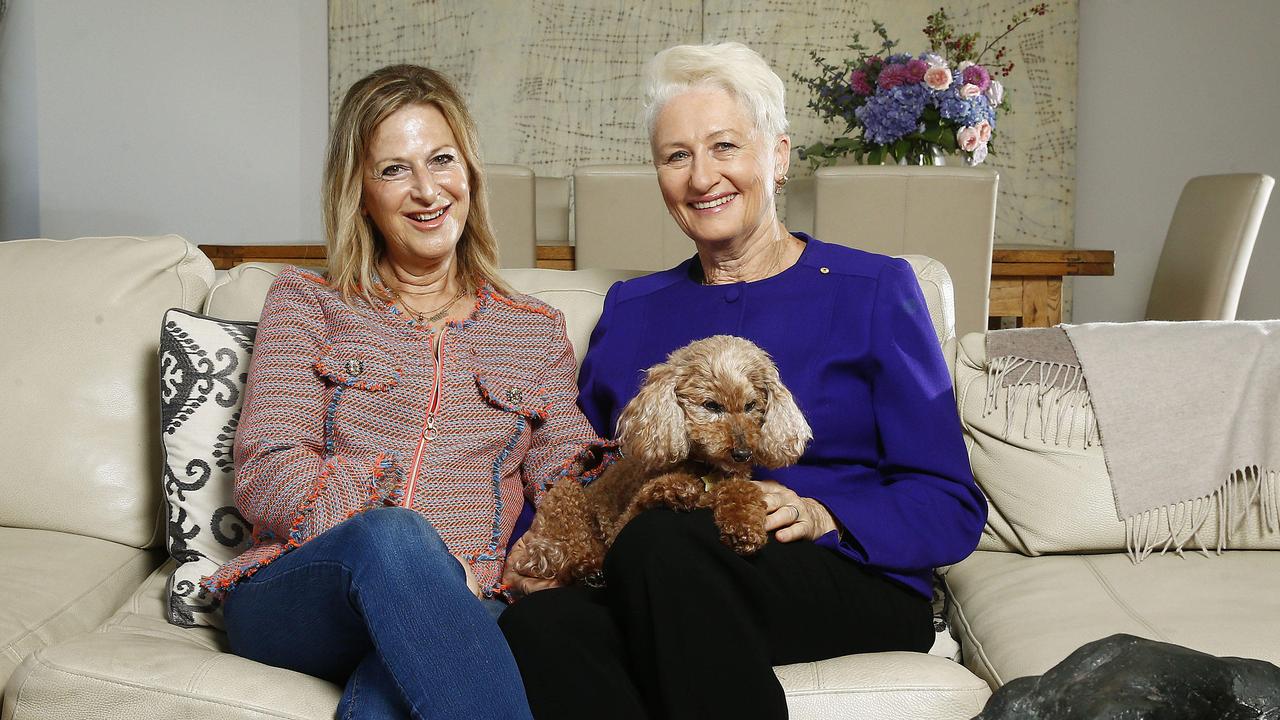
{"x": 379, "y": 605}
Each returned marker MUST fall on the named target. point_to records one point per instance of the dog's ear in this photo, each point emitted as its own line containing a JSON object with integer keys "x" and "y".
{"x": 651, "y": 429}
{"x": 785, "y": 431}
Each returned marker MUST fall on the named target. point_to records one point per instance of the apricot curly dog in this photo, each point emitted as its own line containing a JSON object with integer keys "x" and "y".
{"x": 689, "y": 439}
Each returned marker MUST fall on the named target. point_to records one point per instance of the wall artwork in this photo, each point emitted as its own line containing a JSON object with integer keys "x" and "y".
{"x": 556, "y": 83}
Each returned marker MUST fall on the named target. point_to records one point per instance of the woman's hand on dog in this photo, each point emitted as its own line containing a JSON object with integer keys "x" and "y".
{"x": 793, "y": 517}
{"x": 517, "y": 583}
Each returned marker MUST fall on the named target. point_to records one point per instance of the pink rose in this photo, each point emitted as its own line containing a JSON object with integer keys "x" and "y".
{"x": 968, "y": 91}
{"x": 937, "y": 78}
{"x": 979, "y": 154}
{"x": 967, "y": 139}
{"x": 995, "y": 93}
{"x": 984, "y": 132}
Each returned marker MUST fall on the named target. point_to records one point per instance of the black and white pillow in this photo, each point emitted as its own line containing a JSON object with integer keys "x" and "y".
{"x": 204, "y": 362}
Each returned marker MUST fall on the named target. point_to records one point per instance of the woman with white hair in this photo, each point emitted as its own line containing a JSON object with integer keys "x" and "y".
{"x": 686, "y": 628}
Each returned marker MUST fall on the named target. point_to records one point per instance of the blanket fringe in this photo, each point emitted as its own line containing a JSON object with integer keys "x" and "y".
{"x": 1173, "y": 526}
{"x": 1055, "y": 392}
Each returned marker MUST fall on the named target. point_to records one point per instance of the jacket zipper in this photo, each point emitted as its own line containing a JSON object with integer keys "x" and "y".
{"x": 429, "y": 422}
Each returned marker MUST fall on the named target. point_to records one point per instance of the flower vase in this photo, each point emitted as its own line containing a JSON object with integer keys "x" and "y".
{"x": 933, "y": 155}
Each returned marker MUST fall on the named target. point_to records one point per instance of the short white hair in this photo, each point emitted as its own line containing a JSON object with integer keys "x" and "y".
{"x": 729, "y": 66}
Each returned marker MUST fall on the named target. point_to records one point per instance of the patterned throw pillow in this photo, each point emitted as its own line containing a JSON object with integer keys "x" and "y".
{"x": 203, "y": 365}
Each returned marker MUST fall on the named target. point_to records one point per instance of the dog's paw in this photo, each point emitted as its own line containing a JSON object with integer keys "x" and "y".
{"x": 744, "y": 540}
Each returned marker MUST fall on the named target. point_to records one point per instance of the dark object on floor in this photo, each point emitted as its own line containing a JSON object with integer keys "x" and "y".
{"x": 1123, "y": 677}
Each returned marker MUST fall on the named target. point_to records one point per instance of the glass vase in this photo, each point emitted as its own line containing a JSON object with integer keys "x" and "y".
{"x": 926, "y": 155}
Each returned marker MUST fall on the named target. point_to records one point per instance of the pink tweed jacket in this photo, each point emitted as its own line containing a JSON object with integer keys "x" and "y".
{"x": 347, "y": 409}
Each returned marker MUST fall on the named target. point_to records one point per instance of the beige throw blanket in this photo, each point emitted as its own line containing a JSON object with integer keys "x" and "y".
{"x": 1186, "y": 412}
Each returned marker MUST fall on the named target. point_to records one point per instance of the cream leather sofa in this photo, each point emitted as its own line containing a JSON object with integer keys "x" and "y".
{"x": 1051, "y": 572}
{"x": 82, "y": 582}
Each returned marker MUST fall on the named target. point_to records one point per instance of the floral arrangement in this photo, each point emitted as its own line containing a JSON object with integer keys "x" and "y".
{"x": 912, "y": 108}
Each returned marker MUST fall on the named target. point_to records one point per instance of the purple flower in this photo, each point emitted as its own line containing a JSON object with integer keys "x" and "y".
{"x": 917, "y": 68}
{"x": 894, "y": 75}
{"x": 977, "y": 75}
{"x": 858, "y": 81}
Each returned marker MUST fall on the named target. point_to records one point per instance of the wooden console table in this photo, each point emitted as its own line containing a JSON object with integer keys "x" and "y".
{"x": 225, "y": 257}
{"x": 1026, "y": 281}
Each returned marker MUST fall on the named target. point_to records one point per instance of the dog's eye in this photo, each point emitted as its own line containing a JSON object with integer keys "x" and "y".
{"x": 713, "y": 406}
{"x": 750, "y": 406}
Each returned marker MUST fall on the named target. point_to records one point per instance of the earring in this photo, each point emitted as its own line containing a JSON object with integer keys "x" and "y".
{"x": 779, "y": 184}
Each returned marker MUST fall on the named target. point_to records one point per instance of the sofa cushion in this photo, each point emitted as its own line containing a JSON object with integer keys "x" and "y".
{"x": 57, "y": 585}
{"x": 579, "y": 294}
{"x": 1019, "y": 615}
{"x": 1047, "y": 494}
{"x": 80, "y": 320}
{"x": 203, "y": 366}
{"x": 138, "y": 665}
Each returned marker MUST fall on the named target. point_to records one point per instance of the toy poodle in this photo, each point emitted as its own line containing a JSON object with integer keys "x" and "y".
{"x": 701, "y": 420}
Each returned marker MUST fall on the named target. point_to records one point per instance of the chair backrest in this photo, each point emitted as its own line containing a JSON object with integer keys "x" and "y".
{"x": 620, "y": 220}
{"x": 947, "y": 213}
{"x": 511, "y": 210}
{"x": 1206, "y": 251}
{"x": 551, "y": 197}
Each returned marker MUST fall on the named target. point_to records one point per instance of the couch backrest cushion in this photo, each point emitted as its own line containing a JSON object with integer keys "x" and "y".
{"x": 579, "y": 294}
{"x": 79, "y": 429}
{"x": 1046, "y": 494}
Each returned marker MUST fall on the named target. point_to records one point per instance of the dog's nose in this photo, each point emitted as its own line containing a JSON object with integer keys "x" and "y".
{"x": 740, "y": 454}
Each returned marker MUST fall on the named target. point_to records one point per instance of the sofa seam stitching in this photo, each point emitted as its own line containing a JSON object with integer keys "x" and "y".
{"x": 958, "y": 609}
{"x": 53, "y": 667}
{"x": 1115, "y": 598}
{"x": 66, "y": 606}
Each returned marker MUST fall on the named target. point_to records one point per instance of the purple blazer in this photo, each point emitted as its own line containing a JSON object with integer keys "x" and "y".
{"x": 852, "y": 338}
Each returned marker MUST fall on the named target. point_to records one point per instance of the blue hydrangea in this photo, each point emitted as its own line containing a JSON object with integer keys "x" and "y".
{"x": 961, "y": 111}
{"x": 898, "y": 58}
{"x": 889, "y": 115}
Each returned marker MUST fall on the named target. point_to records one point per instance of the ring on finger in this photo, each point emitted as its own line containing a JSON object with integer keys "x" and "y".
{"x": 796, "y": 510}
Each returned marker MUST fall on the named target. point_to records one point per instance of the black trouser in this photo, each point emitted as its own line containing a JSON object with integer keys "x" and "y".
{"x": 685, "y": 628}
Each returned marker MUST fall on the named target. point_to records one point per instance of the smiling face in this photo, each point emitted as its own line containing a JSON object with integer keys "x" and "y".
{"x": 716, "y": 170}
{"x": 416, "y": 188}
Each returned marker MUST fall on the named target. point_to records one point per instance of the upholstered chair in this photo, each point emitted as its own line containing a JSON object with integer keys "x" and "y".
{"x": 947, "y": 213}
{"x": 620, "y": 220}
{"x": 511, "y": 210}
{"x": 1206, "y": 251}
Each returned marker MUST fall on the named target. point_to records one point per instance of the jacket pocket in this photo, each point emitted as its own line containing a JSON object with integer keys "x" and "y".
{"x": 359, "y": 365}
{"x": 513, "y": 396}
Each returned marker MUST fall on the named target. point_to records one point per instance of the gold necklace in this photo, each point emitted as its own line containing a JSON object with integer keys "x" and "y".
{"x": 427, "y": 317}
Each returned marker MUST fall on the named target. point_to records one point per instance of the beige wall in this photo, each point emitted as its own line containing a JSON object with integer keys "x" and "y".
{"x": 555, "y": 83}
{"x": 1170, "y": 89}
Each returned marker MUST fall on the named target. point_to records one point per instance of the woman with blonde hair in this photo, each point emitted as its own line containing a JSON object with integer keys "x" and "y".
{"x": 685, "y": 627}
{"x": 399, "y": 411}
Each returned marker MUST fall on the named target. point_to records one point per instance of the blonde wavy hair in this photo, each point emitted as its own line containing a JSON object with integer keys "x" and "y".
{"x": 353, "y": 242}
